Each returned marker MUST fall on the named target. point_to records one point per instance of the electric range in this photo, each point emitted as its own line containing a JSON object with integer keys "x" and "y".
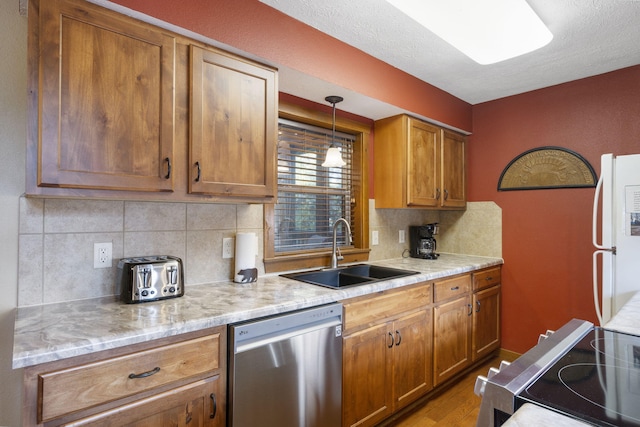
{"x": 584, "y": 372}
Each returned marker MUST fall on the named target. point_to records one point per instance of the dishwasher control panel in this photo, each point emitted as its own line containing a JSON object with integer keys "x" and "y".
{"x": 256, "y": 331}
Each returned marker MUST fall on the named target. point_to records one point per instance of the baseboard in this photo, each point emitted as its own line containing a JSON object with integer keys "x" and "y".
{"x": 508, "y": 355}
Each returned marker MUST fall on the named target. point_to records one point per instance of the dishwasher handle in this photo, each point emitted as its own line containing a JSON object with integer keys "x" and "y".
{"x": 270, "y": 338}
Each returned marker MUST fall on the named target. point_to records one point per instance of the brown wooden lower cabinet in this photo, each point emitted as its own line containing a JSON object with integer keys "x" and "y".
{"x": 192, "y": 405}
{"x": 386, "y": 353}
{"x": 486, "y": 312}
{"x": 412, "y": 357}
{"x": 386, "y": 367}
{"x": 402, "y": 343}
{"x": 486, "y": 322}
{"x": 452, "y": 341}
{"x": 366, "y": 391}
{"x": 177, "y": 381}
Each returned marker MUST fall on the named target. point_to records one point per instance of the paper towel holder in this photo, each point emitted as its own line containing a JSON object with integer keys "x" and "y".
{"x": 245, "y": 259}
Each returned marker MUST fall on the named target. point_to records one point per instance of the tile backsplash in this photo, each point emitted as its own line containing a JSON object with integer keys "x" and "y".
{"x": 475, "y": 231}
{"x": 56, "y": 239}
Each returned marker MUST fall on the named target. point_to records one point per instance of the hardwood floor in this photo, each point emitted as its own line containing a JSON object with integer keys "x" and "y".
{"x": 456, "y": 407}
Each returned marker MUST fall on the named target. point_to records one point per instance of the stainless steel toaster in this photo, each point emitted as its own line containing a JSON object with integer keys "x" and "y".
{"x": 150, "y": 278}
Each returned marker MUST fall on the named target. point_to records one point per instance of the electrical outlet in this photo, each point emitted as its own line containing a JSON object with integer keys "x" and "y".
{"x": 102, "y": 255}
{"x": 374, "y": 237}
{"x": 400, "y": 236}
{"x": 227, "y": 247}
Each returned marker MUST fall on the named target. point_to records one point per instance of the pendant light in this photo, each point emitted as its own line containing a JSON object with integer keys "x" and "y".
{"x": 334, "y": 158}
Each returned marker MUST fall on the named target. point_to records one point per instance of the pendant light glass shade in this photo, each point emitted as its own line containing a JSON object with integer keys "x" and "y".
{"x": 334, "y": 157}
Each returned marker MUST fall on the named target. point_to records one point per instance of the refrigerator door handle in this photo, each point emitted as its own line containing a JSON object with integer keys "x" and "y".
{"x": 596, "y": 202}
{"x": 596, "y": 298}
{"x": 594, "y": 233}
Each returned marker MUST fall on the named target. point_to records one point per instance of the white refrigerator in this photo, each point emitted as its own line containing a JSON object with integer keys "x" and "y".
{"x": 619, "y": 221}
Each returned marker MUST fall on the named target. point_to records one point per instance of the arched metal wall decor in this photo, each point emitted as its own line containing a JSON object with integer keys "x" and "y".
{"x": 545, "y": 168}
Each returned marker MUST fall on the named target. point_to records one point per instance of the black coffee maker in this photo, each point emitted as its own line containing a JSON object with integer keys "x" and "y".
{"x": 421, "y": 241}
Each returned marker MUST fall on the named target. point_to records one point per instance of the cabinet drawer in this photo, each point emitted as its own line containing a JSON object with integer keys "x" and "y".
{"x": 451, "y": 288}
{"x": 68, "y": 390}
{"x": 486, "y": 278}
{"x": 371, "y": 310}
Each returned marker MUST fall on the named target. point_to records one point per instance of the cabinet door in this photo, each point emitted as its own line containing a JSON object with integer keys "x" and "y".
{"x": 367, "y": 390}
{"x": 412, "y": 373}
{"x": 453, "y": 170}
{"x": 451, "y": 340}
{"x": 423, "y": 168}
{"x": 106, "y": 109}
{"x": 198, "y": 404}
{"x": 233, "y": 126}
{"x": 486, "y": 322}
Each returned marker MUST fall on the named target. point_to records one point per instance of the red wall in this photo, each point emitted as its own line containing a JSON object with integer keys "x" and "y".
{"x": 547, "y": 233}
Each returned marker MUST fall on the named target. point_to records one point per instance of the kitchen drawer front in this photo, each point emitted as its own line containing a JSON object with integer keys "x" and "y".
{"x": 368, "y": 311}
{"x": 68, "y": 390}
{"x": 486, "y": 278}
{"x": 451, "y": 288}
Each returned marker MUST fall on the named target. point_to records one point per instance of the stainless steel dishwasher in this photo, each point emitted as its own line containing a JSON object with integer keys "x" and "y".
{"x": 286, "y": 370}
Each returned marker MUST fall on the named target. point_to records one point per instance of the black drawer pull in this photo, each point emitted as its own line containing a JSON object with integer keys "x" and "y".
{"x": 392, "y": 341}
{"x": 199, "y": 171}
{"x": 168, "y": 175}
{"x": 399, "y": 338}
{"x": 145, "y": 374}
{"x": 455, "y": 288}
{"x": 214, "y": 408}
{"x": 489, "y": 278}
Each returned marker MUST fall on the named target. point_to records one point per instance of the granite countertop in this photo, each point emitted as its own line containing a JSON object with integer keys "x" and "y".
{"x": 535, "y": 416}
{"x": 52, "y": 332}
{"x": 627, "y": 318}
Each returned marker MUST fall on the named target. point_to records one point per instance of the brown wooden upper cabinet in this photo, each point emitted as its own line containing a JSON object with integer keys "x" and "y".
{"x": 418, "y": 164}
{"x": 106, "y": 100}
{"x": 119, "y": 108}
{"x": 233, "y": 126}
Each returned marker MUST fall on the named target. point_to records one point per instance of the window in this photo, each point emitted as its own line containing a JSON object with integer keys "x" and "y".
{"x": 299, "y": 226}
{"x": 311, "y": 197}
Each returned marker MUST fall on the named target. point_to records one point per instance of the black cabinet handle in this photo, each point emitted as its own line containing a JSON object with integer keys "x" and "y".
{"x": 399, "y": 338}
{"x": 455, "y": 288}
{"x": 145, "y": 374}
{"x": 437, "y": 193}
{"x": 168, "y": 175}
{"x": 446, "y": 194}
{"x": 198, "y": 175}
{"x": 214, "y": 406}
{"x": 390, "y": 336}
{"x": 470, "y": 309}
{"x": 478, "y": 304}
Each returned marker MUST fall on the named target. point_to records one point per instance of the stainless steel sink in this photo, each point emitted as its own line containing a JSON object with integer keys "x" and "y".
{"x": 352, "y": 275}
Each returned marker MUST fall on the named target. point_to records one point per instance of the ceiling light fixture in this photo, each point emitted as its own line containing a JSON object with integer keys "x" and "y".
{"x": 487, "y": 31}
{"x": 334, "y": 158}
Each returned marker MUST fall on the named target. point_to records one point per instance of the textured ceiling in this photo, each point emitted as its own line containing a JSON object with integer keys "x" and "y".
{"x": 590, "y": 37}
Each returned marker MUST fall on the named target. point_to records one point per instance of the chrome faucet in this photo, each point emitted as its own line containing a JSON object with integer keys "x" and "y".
{"x": 334, "y": 252}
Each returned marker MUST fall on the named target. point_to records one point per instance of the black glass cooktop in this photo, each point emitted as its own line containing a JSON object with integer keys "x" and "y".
{"x": 597, "y": 381}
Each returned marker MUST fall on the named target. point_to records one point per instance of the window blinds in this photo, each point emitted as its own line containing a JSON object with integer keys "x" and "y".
{"x": 311, "y": 197}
